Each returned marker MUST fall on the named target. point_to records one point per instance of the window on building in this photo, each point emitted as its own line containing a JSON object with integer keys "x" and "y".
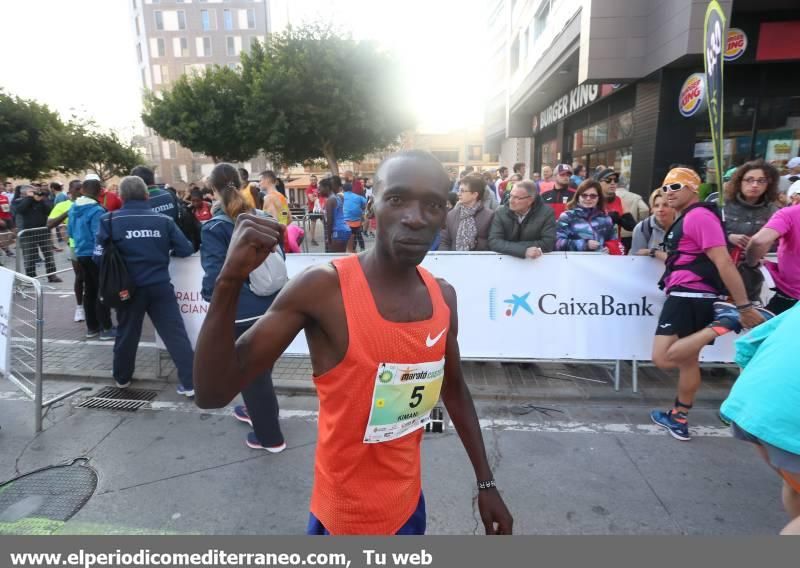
{"x": 475, "y": 153}
{"x": 183, "y": 47}
{"x": 139, "y": 52}
{"x": 540, "y": 20}
{"x": 138, "y": 29}
{"x": 181, "y": 20}
{"x": 134, "y": 4}
{"x": 550, "y": 153}
{"x": 207, "y": 51}
{"x": 161, "y": 49}
{"x": 230, "y": 42}
{"x": 159, "y": 16}
{"x": 208, "y": 19}
{"x": 515, "y": 55}
{"x": 176, "y": 174}
{"x": 164, "y": 74}
{"x": 251, "y": 19}
{"x": 446, "y": 155}
{"x": 522, "y": 45}
{"x": 227, "y": 19}
{"x": 144, "y": 80}
{"x": 173, "y": 150}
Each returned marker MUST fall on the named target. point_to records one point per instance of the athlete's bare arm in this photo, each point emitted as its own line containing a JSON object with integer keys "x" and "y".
{"x": 222, "y": 365}
{"x": 458, "y": 401}
{"x": 733, "y": 282}
{"x": 759, "y": 245}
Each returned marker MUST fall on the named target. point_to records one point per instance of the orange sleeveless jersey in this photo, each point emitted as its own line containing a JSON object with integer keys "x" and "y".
{"x": 362, "y": 488}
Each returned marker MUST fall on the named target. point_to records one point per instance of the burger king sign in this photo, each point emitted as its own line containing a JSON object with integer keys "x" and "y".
{"x": 736, "y": 45}
{"x": 693, "y": 95}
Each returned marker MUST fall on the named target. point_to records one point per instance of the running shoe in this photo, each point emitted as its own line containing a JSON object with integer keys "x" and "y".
{"x": 726, "y": 318}
{"x": 678, "y": 428}
{"x": 240, "y": 413}
{"x": 91, "y": 334}
{"x": 123, "y": 385}
{"x": 80, "y": 315}
{"x": 252, "y": 442}
{"x": 108, "y": 334}
{"x": 55, "y": 279}
{"x": 188, "y": 393}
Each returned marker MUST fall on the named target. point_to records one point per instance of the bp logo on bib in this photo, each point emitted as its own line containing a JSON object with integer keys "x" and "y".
{"x": 386, "y": 376}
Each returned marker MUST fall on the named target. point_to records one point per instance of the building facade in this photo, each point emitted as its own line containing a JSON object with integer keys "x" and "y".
{"x": 456, "y": 149}
{"x": 612, "y": 83}
{"x": 174, "y": 37}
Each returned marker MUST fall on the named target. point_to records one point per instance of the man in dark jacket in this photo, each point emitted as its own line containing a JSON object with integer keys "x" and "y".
{"x": 159, "y": 200}
{"x": 145, "y": 238}
{"x": 31, "y": 213}
{"x": 526, "y": 227}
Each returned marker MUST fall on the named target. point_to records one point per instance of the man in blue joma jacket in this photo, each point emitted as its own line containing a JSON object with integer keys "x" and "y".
{"x": 84, "y": 220}
{"x": 159, "y": 200}
{"x": 144, "y": 239}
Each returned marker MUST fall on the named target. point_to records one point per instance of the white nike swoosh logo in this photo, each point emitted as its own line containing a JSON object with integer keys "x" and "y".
{"x": 431, "y": 342}
{"x": 665, "y": 325}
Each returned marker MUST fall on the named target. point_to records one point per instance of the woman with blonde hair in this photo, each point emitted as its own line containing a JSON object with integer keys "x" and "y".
{"x": 650, "y": 232}
{"x": 260, "y": 409}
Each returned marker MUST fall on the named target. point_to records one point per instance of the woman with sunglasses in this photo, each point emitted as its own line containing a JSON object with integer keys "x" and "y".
{"x": 585, "y": 226}
{"x": 750, "y": 200}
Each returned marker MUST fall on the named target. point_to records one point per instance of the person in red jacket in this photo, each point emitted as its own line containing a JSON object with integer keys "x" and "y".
{"x": 615, "y": 208}
{"x": 109, "y": 200}
{"x": 561, "y": 194}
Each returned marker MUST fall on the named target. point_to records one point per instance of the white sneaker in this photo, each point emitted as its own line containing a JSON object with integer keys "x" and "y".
{"x": 80, "y": 315}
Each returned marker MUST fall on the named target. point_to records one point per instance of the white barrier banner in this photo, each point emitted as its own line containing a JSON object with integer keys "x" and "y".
{"x": 6, "y": 300}
{"x": 560, "y": 306}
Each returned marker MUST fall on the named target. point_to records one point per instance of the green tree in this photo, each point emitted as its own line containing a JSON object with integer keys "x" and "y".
{"x": 84, "y": 146}
{"x": 314, "y": 94}
{"x": 29, "y": 138}
{"x": 204, "y": 113}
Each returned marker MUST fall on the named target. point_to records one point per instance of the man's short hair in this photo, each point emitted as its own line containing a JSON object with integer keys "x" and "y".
{"x": 518, "y": 167}
{"x": 92, "y": 187}
{"x": 475, "y": 184}
{"x": 378, "y": 180}
{"x": 502, "y": 169}
{"x": 528, "y": 186}
{"x": 270, "y": 175}
{"x": 336, "y": 181}
{"x": 244, "y": 174}
{"x": 55, "y": 186}
{"x": 147, "y": 175}
{"x": 132, "y": 188}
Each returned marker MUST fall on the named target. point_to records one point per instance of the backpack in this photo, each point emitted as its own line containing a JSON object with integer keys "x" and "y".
{"x": 187, "y": 222}
{"x": 116, "y": 287}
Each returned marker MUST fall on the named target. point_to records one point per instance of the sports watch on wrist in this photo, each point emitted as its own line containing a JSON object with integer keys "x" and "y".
{"x": 488, "y": 484}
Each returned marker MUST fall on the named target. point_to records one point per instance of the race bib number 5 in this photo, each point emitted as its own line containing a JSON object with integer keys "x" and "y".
{"x": 402, "y": 399}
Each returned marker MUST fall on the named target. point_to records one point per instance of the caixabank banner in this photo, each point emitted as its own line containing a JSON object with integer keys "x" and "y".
{"x": 560, "y": 306}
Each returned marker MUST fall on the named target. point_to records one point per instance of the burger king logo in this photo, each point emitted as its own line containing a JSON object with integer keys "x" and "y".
{"x": 737, "y": 44}
{"x": 693, "y": 94}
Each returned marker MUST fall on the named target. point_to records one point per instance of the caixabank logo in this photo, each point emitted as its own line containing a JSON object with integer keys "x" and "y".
{"x": 551, "y": 304}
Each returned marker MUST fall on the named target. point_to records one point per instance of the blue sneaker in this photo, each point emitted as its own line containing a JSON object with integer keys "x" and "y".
{"x": 189, "y": 393}
{"x": 108, "y": 334}
{"x": 240, "y": 413}
{"x": 252, "y": 442}
{"x": 678, "y": 429}
{"x": 726, "y": 317}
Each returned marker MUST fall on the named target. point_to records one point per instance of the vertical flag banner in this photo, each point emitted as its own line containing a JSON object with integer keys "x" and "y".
{"x": 714, "y": 42}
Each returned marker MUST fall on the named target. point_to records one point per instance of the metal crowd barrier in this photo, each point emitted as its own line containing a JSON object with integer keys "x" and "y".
{"x": 25, "y": 334}
{"x": 39, "y": 250}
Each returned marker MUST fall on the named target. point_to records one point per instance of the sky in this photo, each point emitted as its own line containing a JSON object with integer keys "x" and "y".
{"x": 78, "y": 56}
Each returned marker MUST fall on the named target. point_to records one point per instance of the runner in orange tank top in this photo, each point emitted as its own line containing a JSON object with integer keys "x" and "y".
{"x": 383, "y": 348}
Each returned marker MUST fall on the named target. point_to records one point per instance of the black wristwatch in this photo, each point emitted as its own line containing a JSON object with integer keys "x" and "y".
{"x": 653, "y": 252}
{"x": 489, "y": 484}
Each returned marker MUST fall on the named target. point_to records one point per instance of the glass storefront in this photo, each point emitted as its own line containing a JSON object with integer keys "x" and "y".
{"x": 606, "y": 142}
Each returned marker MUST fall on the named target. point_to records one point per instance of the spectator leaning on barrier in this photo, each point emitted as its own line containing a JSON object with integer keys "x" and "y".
{"x": 524, "y": 228}
{"x": 82, "y": 226}
{"x": 260, "y": 409}
{"x": 32, "y": 209}
{"x": 585, "y": 226}
{"x": 750, "y": 200}
{"x": 467, "y": 226}
{"x": 615, "y": 207}
{"x": 784, "y": 227}
{"x": 59, "y": 215}
{"x": 144, "y": 239}
{"x": 698, "y": 271}
{"x": 649, "y": 233}
{"x": 561, "y": 193}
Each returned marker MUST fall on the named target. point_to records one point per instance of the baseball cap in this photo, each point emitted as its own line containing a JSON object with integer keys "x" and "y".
{"x": 793, "y": 163}
{"x": 684, "y": 176}
{"x": 92, "y": 176}
{"x": 794, "y": 189}
{"x": 563, "y": 169}
{"x": 602, "y": 174}
{"x": 729, "y": 174}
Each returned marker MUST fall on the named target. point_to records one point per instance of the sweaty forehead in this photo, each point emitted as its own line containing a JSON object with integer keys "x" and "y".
{"x": 415, "y": 174}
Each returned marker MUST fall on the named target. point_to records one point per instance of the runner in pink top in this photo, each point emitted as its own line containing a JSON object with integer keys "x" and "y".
{"x": 784, "y": 225}
{"x": 701, "y": 231}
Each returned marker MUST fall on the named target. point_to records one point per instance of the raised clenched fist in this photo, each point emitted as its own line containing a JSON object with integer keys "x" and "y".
{"x": 254, "y": 237}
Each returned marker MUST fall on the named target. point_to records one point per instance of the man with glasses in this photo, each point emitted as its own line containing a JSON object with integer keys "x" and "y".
{"x": 561, "y": 193}
{"x": 698, "y": 271}
{"x": 525, "y": 226}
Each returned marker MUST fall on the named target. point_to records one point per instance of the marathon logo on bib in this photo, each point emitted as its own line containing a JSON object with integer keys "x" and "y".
{"x": 402, "y": 399}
